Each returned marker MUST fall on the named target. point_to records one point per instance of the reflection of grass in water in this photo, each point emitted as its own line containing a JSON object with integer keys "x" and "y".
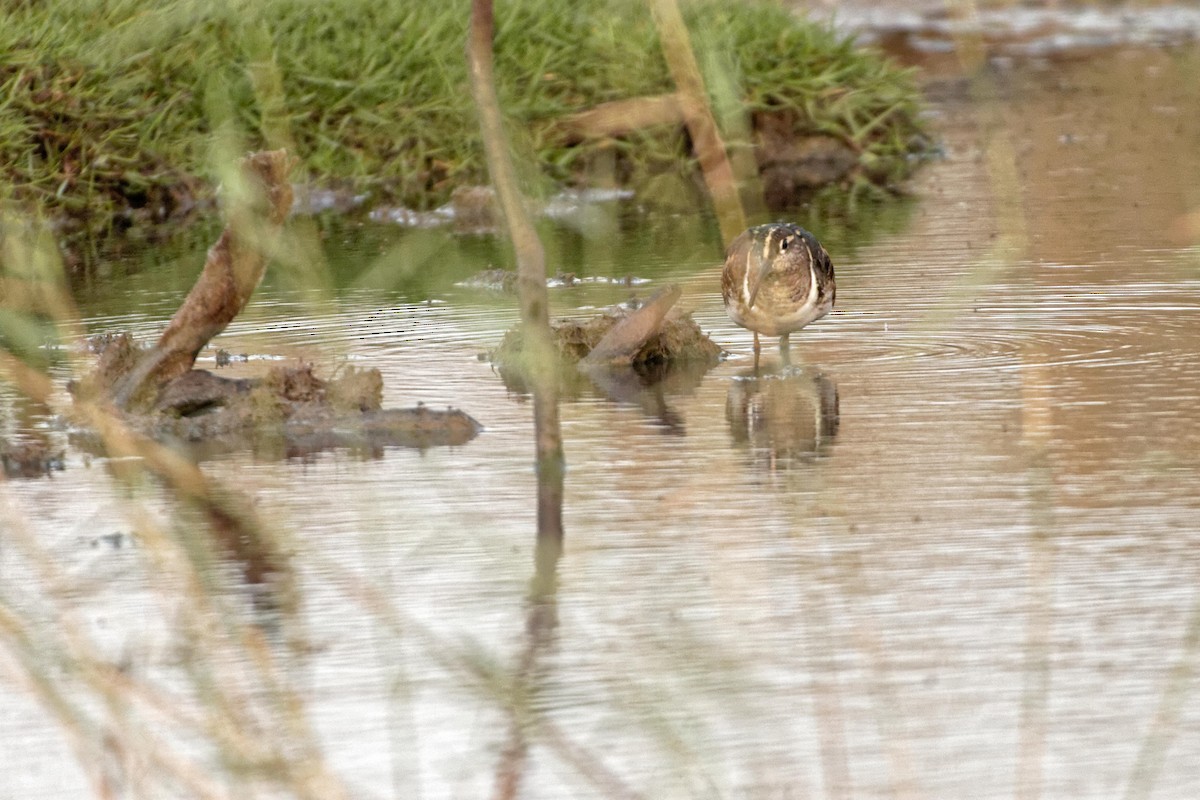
{"x": 418, "y": 264}
{"x": 236, "y": 701}
{"x": 124, "y": 726}
{"x": 843, "y": 226}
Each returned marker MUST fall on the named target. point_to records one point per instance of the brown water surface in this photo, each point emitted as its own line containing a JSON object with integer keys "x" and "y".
{"x": 952, "y": 554}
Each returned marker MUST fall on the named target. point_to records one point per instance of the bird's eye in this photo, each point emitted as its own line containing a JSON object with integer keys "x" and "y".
{"x": 783, "y": 245}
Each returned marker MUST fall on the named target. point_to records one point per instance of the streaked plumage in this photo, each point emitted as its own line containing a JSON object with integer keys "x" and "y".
{"x": 777, "y": 279}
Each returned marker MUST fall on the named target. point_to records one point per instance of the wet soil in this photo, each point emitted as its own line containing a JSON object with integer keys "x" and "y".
{"x": 289, "y": 403}
{"x": 29, "y": 457}
{"x": 668, "y": 340}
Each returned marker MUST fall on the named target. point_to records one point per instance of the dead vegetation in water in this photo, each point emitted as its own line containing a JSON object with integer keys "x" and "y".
{"x": 162, "y": 395}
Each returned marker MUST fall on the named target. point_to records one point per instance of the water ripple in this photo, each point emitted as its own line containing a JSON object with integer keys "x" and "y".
{"x": 1005, "y": 326}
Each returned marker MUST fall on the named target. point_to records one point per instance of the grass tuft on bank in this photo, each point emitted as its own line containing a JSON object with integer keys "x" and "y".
{"x": 114, "y": 112}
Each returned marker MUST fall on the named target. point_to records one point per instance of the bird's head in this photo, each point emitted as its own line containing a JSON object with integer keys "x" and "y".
{"x": 779, "y": 246}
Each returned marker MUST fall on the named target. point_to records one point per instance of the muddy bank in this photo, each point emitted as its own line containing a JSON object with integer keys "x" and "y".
{"x": 112, "y": 122}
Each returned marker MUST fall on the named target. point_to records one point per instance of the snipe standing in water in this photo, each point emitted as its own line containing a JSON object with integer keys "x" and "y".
{"x": 777, "y": 279}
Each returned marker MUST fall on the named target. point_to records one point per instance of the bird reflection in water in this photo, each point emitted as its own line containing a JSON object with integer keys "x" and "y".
{"x": 784, "y": 420}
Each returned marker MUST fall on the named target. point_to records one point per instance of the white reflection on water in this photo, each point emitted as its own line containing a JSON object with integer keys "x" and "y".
{"x": 980, "y": 583}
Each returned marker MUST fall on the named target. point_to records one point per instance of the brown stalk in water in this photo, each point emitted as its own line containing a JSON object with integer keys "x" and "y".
{"x": 702, "y": 126}
{"x": 531, "y": 285}
{"x": 232, "y": 271}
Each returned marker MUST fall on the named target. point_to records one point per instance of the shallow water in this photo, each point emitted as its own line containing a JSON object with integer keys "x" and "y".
{"x": 951, "y": 554}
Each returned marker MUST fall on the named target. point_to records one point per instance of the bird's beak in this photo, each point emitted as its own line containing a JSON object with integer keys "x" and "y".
{"x": 757, "y": 268}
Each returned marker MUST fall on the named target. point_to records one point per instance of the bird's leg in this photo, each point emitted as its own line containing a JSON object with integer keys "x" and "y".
{"x": 785, "y": 350}
{"x": 757, "y": 349}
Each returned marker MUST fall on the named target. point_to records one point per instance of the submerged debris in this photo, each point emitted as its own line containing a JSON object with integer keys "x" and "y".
{"x": 474, "y": 209}
{"x": 29, "y": 458}
{"x": 494, "y": 280}
{"x": 503, "y": 280}
{"x": 224, "y": 358}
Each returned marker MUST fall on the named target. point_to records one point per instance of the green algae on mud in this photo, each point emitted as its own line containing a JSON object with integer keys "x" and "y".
{"x": 117, "y": 112}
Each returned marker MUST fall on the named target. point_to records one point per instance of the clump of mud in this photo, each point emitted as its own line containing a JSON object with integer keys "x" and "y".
{"x": 29, "y": 458}
{"x": 678, "y": 341}
{"x": 117, "y": 354}
{"x": 291, "y": 402}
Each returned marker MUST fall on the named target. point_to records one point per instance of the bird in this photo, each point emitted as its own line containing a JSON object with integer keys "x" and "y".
{"x": 777, "y": 278}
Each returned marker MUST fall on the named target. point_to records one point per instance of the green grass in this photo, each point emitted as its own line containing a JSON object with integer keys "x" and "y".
{"x": 114, "y": 112}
